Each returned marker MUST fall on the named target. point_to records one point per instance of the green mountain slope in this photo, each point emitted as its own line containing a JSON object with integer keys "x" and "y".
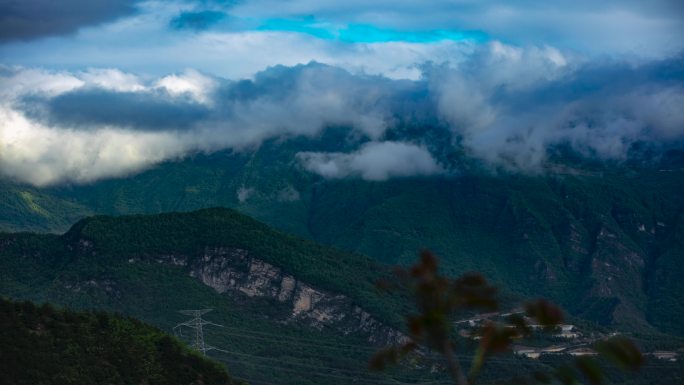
{"x": 597, "y": 244}
{"x": 26, "y": 208}
{"x": 44, "y": 345}
{"x": 602, "y": 240}
{"x": 293, "y": 312}
{"x": 327, "y": 322}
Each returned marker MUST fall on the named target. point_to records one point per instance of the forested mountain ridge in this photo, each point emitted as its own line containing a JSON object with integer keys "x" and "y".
{"x": 46, "y": 345}
{"x": 605, "y": 241}
{"x": 256, "y": 279}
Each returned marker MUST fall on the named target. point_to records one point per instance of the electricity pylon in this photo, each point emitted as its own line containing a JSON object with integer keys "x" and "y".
{"x": 196, "y": 323}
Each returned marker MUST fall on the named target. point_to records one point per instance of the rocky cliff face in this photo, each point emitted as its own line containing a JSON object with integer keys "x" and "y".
{"x": 617, "y": 271}
{"x": 237, "y": 273}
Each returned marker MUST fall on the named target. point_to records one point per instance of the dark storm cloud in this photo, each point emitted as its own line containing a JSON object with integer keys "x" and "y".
{"x": 30, "y": 19}
{"x": 150, "y": 111}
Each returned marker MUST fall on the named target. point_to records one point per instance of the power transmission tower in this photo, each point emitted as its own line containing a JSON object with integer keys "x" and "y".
{"x": 197, "y": 323}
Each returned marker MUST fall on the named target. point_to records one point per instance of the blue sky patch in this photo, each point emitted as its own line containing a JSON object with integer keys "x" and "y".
{"x": 365, "y": 33}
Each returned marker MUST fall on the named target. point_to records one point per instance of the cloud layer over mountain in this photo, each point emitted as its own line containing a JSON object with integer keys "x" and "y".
{"x": 503, "y": 104}
{"x": 99, "y": 89}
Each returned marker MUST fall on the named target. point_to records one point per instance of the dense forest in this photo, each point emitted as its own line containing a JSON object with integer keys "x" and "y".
{"x": 44, "y": 345}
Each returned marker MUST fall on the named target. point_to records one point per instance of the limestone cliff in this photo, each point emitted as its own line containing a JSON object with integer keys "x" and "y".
{"x": 237, "y": 273}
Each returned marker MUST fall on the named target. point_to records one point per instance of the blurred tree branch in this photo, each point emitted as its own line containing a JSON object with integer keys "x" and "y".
{"x": 438, "y": 299}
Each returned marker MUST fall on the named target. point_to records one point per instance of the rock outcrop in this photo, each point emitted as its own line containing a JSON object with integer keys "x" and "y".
{"x": 237, "y": 273}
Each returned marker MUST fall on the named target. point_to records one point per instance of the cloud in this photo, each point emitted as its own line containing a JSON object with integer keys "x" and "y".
{"x": 94, "y": 100}
{"x": 112, "y": 79}
{"x": 301, "y": 100}
{"x": 615, "y": 26}
{"x": 199, "y": 20}
{"x": 191, "y": 83}
{"x": 42, "y": 155}
{"x": 229, "y": 54}
{"x": 376, "y": 161}
{"x": 95, "y": 107}
{"x": 288, "y": 194}
{"x": 30, "y": 19}
{"x": 238, "y": 39}
{"x": 243, "y": 193}
{"x": 79, "y": 127}
{"x": 510, "y": 108}
{"x": 501, "y": 105}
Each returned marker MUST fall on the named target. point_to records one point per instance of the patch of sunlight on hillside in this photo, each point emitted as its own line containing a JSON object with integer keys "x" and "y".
{"x": 27, "y": 197}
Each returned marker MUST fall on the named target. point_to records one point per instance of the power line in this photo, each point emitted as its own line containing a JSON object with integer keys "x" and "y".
{"x": 501, "y": 361}
{"x": 303, "y": 342}
{"x": 196, "y": 323}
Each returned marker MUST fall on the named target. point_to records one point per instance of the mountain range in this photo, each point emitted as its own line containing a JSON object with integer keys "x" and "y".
{"x": 604, "y": 240}
{"x": 287, "y": 310}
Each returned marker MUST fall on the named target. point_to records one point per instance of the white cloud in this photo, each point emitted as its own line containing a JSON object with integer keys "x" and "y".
{"x": 510, "y": 106}
{"x": 288, "y": 194}
{"x": 112, "y": 79}
{"x": 297, "y": 101}
{"x": 40, "y": 155}
{"x": 191, "y": 82}
{"x": 22, "y": 82}
{"x": 376, "y": 161}
{"x": 244, "y": 193}
{"x": 505, "y": 105}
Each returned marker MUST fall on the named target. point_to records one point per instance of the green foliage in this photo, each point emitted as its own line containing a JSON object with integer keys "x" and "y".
{"x": 45, "y": 345}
